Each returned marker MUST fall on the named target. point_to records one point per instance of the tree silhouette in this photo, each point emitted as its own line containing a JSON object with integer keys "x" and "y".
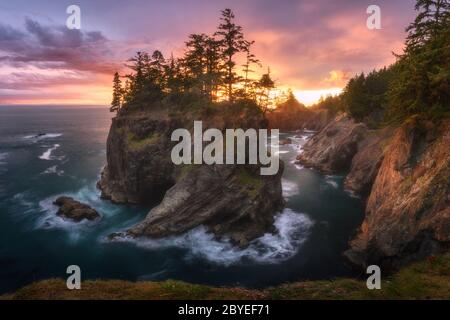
{"x": 232, "y": 41}
{"x": 117, "y": 94}
{"x": 250, "y": 59}
{"x": 266, "y": 84}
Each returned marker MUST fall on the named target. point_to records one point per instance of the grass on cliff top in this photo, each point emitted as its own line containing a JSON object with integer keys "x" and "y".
{"x": 246, "y": 179}
{"x": 429, "y": 279}
{"x": 139, "y": 144}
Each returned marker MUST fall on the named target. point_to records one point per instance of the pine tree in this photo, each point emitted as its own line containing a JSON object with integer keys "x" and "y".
{"x": 422, "y": 81}
{"x": 156, "y": 75}
{"x": 139, "y": 62}
{"x": 213, "y": 72}
{"x": 173, "y": 75}
{"x": 266, "y": 84}
{"x": 250, "y": 59}
{"x": 117, "y": 94}
{"x": 195, "y": 61}
{"x": 432, "y": 19}
{"x": 232, "y": 42}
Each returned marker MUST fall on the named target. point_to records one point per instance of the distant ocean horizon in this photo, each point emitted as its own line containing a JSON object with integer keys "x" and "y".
{"x": 75, "y": 106}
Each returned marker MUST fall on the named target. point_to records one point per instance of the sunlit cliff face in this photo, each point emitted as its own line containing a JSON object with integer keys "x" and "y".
{"x": 312, "y": 48}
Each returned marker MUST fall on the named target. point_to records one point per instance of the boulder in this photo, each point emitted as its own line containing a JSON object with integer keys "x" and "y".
{"x": 74, "y": 210}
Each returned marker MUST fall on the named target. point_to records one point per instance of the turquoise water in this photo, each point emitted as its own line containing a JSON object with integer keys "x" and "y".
{"x": 312, "y": 231}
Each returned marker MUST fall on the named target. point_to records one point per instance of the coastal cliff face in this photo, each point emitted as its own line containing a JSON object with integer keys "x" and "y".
{"x": 408, "y": 212}
{"x": 139, "y": 168}
{"x": 402, "y": 173}
{"x": 332, "y": 149}
{"x": 232, "y": 201}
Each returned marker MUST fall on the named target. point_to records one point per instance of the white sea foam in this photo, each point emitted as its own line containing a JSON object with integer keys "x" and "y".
{"x": 47, "y": 155}
{"x": 48, "y": 219}
{"x": 296, "y": 165}
{"x": 89, "y": 195}
{"x": 305, "y": 137}
{"x": 330, "y": 180}
{"x": 3, "y": 157}
{"x": 289, "y": 188}
{"x": 22, "y": 204}
{"x": 43, "y": 136}
{"x": 292, "y": 229}
{"x": 352, "y": 194}
{"x": 54, "y": 170}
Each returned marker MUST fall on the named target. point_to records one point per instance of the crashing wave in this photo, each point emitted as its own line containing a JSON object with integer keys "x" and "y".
{"x": 292, "y": 230}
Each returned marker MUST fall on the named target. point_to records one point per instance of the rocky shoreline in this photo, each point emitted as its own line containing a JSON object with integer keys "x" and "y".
{"x": 402, "y": 174}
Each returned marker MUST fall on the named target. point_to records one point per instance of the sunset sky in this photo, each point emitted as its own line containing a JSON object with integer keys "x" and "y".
{"x": 312, "y": 47}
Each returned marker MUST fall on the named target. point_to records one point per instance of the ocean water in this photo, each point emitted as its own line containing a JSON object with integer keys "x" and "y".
{"x": 51, "y": 151}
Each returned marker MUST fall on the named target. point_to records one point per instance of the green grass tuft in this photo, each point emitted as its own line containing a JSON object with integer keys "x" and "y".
{"x": 428, "y": 279}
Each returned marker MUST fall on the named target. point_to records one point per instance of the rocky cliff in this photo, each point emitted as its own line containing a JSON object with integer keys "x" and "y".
{"x": 402, "y": 173}
{"x": 408, "y": 212}
{"x": 234, "y": 201}
{"x": 332, "y": 149}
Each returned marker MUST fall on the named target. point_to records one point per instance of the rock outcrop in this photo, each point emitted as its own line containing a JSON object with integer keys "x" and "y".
{"x": 139, "y": 168}
{"x": 75, "y": 210}
{"x": 403, "y": 174}
{"x": 332, "y": 149}
{"x": 366, "y": 162}
{"x": 232, "y": 201}
{"x": 408, "y": 212}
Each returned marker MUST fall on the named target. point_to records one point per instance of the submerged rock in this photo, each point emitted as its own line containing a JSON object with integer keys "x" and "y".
{"x": 74, "y": 210}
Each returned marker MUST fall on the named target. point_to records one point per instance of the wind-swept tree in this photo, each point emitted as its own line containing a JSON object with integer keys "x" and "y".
{"x": 207, "y": 68}
{"x": 138, "y": 63}
{"x": 432, "y": 19}
{"x": 117, "y": 94}
{"x": 213, "y": 67}
{"x": 250, "y": 59}
{"x": 265, "y": 85}
{"x": 232, "y": 41}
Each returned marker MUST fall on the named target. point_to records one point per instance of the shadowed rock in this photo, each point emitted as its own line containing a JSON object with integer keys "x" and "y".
{"x": 74, "y": 210}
